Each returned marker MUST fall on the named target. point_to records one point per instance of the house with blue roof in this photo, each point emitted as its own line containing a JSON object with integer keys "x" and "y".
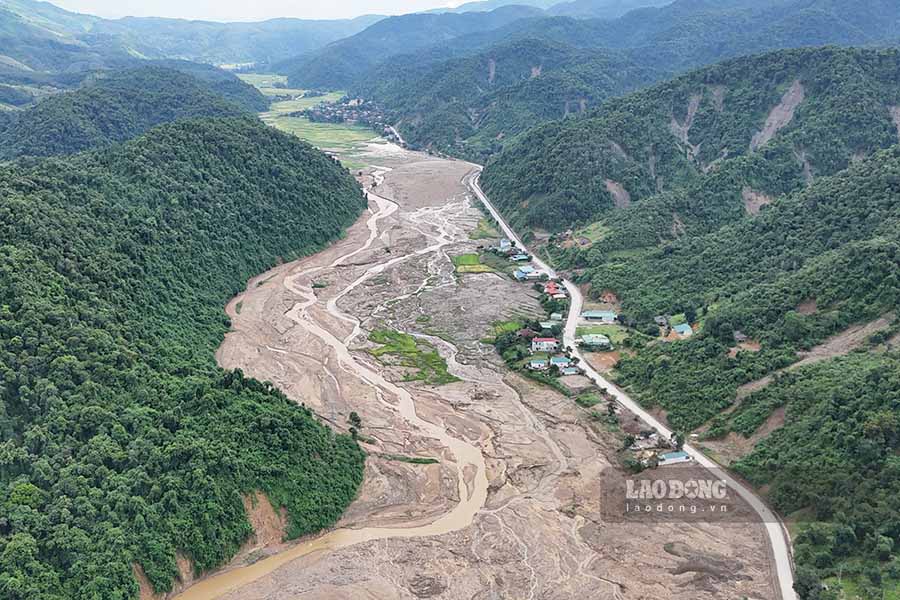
{"x": 538, "y": 364}
{"x": 560, "y": 361}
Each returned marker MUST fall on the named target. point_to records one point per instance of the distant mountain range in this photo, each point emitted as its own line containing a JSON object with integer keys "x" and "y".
{"x": 469, "y": 96}
{"x": 40, "y": 36}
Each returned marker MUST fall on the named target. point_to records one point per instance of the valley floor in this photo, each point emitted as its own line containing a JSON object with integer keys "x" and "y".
{"x": 504, "y": 501}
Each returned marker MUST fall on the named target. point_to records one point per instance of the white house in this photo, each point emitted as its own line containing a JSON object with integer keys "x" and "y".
{"x": 674, "y": 458}
{"x": 544, "y": 345}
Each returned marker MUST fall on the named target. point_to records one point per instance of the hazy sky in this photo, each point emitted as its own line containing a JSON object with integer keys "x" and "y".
{"x": 248, "y": 10}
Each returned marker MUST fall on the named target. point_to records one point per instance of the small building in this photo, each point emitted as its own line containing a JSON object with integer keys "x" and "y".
{"x": 560, "y": 361}
{"x": 505, "y": 245}
{"x": 684, "y": 330}
{"x": 570, "y": 371}
{"x": 674, "y": 458}
{"x": 559, "y": 296}
{"x": 595, "y": 341}
{"x": 520, "y": 258}
{"x": 522, "y": 272}
{"x": 538, "y": 364}
{"x": 549, "y": 324}
{"x": 740, "y": 337}
{"x": 661, "y": 320}
{"x": 544, "y": 345}
{"x": 604, "y": 316}
{"x": 533, "y": 275}
{"x": 556, "y": 317}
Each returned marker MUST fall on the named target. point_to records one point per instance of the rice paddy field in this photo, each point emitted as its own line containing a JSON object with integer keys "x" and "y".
{"x": 338, "y": 138}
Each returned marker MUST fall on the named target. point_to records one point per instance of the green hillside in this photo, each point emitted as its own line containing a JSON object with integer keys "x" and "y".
{"x": 833, "y": 454}
{"x": 347, "y": 61}
{"x": 121, "y": 442}
{"x": 471, "y": 106}
{"x": 689, "y": 151}
{"x": 442, "y": 97}
{"x": 116, "y": 107}
{"x": 44, "y": 37}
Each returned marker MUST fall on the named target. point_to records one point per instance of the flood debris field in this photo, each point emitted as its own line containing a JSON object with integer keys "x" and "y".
{"x": 479, "y": 483}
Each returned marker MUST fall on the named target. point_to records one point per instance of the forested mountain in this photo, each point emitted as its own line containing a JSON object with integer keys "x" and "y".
{"x": 121, "y": 442}
{"x": 808, "y": 267}
{"x": 43, "y": 37}
{"x": 601, "y": 9}
{"x": 434, "y": 105}
{"x": 122, "y": 105}
{"x": 701, "y": 150}
{"x": 338, "y": 65}
{"x": 470, "y": 106}
{"x": 260, "y": 44}
{"x": 488, "y": 5}
{"x": 757, "y": 199}
{"x": 26, "y": 45}
{"x": 226, "y": 84}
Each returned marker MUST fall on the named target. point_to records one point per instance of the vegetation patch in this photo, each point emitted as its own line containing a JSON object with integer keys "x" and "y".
{"x": 485, "y": 230}
{"x": 146, "y": 446}
{"x": 470, "y": 263}
{"x": 421, "y": 358}
{"x": 415, "y": 460}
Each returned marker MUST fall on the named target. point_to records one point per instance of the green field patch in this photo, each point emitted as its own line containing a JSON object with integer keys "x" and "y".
{"x": 420, "y": 357}
{"x": 298, "y": 103}
{"x": 337, "y": 137}
{"x": 484, "y": 231}
{"x": 498, "y": 263}
{"x": 595, "y": 232}
{"x": 588, "y": 399}
{"x": 470, "y": 263}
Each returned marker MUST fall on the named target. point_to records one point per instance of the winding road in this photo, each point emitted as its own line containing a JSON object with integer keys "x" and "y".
{"x": 775, "y": 530}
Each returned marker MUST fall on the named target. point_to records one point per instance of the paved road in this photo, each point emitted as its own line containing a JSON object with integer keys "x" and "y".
{"x": 774, "y": 528}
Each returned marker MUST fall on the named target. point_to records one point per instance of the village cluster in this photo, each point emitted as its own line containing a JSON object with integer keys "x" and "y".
{"x": 352, "y": 111}
{"x": 538, "y": 349}
{"x": 547, "y": 351}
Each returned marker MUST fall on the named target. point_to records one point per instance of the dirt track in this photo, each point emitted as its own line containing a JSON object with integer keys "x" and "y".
{"x": 536, "y": 530}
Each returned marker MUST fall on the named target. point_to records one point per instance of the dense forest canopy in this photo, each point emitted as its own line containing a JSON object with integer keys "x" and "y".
{"x": 121, "y": 442}
{"x": 341, "y": 63}
{"x": 120, "y": 105}
{"x": 686, "y": 150}
{"x": 756, "y": 187}
{"x": 471, "y": 97}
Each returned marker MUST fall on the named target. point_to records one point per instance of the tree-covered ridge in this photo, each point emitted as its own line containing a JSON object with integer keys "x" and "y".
{"x": 120, "y": 440}
{"x": 112, "y": 108}
{"x": 471, "y": 106}
{"x": 43, "y": 36}
{"x": 226, "y": 84}
{"x": 836, "y": 242}
{"x": 437, "y": 96}
{"x": 686, "y": 150}
{"x": 346, "y": 61}
{"x": 835, "y": 245}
